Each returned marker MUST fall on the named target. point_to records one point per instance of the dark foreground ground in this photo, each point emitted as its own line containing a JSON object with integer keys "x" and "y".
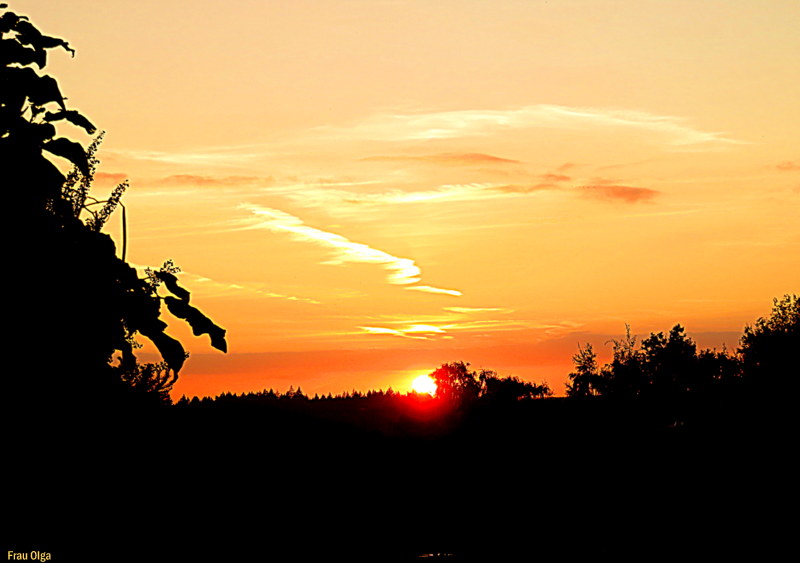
{"x": 551, "y": 481}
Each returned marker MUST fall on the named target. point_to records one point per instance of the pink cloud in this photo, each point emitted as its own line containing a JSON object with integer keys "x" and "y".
{"x": 555, "y": 178}
{"x": 109, "y": 178}
{"x": 788, "y": 165}
{"x": 627, "y": 194}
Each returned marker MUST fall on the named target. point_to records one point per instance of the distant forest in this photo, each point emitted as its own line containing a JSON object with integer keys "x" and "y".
{"x": 662, "y": 366}
{"x": 662, "y": 381}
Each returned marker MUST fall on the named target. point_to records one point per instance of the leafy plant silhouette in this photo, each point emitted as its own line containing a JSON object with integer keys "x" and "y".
{"x": 85, "y": 305}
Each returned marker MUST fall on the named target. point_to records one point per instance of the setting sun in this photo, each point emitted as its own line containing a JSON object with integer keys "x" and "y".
{"x": 424, "y": 384}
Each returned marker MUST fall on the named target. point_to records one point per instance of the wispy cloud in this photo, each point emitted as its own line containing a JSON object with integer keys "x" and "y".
{"x": 440, "y": 330}
{"x": 416, "y": 332}
{"x": 552, "y": 178}
{"x": 402, "y": 271}
{"x": 626, "y": 194}
{"x": 109, "y": 178}
{"x": 429, "y": 289}
{"x": 350, "y": 201}
{"x": 217, "y": 181}
{"x": 672, "y": 130}
{"x": 465, "y": 159}
{"x": 315, "y": 195}
{"x": 467, "y": 310}
{"x": 207, "y": 287}
{"x": 788, "y": 166}
{"x": 224, "y": 156}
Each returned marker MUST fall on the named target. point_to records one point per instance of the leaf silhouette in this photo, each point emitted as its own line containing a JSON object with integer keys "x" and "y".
{"x": 171, "y": 281}
{"x": 27, "y": 34}
{"x": 9, "y": 20}
{"x": 170, "y": 349}
{"x": 42, "y": 89}
{"x": 12, "y": 52}
{"x": 43, "y": 131}
{"x": 198, "y": 321}
{"x": 73, "y": 117}
{"x": 70, "y": 150}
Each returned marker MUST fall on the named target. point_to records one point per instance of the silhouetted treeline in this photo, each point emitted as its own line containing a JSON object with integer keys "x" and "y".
{"x": 670, "y": 367}
{"x": 664, "y": 381}
{"x": 462, "y": 395}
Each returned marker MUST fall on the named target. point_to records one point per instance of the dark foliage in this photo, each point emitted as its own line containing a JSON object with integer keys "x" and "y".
{"x": 769, "y": 348}
{"x": 669, "y": 373}
{"x": 82, "y": 304}
{"x": 455, "y": 382}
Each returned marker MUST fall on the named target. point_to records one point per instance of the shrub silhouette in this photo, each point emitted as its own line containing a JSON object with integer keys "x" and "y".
{"x": 83, "y": 305}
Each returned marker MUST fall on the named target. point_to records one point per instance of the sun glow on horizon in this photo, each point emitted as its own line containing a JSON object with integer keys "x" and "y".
{"x": 424, "y": 384}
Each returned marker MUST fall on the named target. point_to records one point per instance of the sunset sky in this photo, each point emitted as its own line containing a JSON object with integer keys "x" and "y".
{"x": 360, "y": 191}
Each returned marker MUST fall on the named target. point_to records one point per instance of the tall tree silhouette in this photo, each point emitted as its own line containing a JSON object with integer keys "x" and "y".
{"x": 584, "y": 381}
{"x": 623, "y": 377}
{"x": 770, "y": 346}
{"x": 669, "y": 364}
{"x": 83, "y": 306}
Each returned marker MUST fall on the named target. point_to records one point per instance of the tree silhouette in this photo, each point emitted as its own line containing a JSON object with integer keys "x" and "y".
{"x": 503, "y": 389}
{"x": 664, "y": 367}
{"x": 84, "y": 304}
{"x": 669, "y": 364}
{"x": 769, "y": 348}
{"x": 585, "y": 380}
{"x": 623, "y": 377}
{"x": 455, "y": 382}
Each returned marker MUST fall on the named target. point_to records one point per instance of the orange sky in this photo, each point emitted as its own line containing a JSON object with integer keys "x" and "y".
{"x": 359, "y": 191}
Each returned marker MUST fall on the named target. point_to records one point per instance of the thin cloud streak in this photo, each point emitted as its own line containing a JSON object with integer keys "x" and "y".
{"x": 674, "y": 131}
{"x": 429, "y": 289}
{"x": 415, "y": 332}
{"x": 313, "y": 195}
{"x": 420, "y": 331}
{"x": 233, "y": 156}
{"x": 207, "y": 287}
{"x": 402, "y": 271}
{"x": 467, "y": 310}
{"x": 467, "y": 159}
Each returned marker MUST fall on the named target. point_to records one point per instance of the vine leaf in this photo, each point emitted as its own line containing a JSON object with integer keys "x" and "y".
{"x": 29, "y": 35}
{"x": 70, "y": 150}
{"x": 171, "y": 281}
{"x": 198, "y": 321}
{"x": 13, "y": 52}
{"x": 22, "y": 82}
{"x": 170, "y": 349}
{"x": 43, "y": 89}
{"x": 74, "y": 117}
